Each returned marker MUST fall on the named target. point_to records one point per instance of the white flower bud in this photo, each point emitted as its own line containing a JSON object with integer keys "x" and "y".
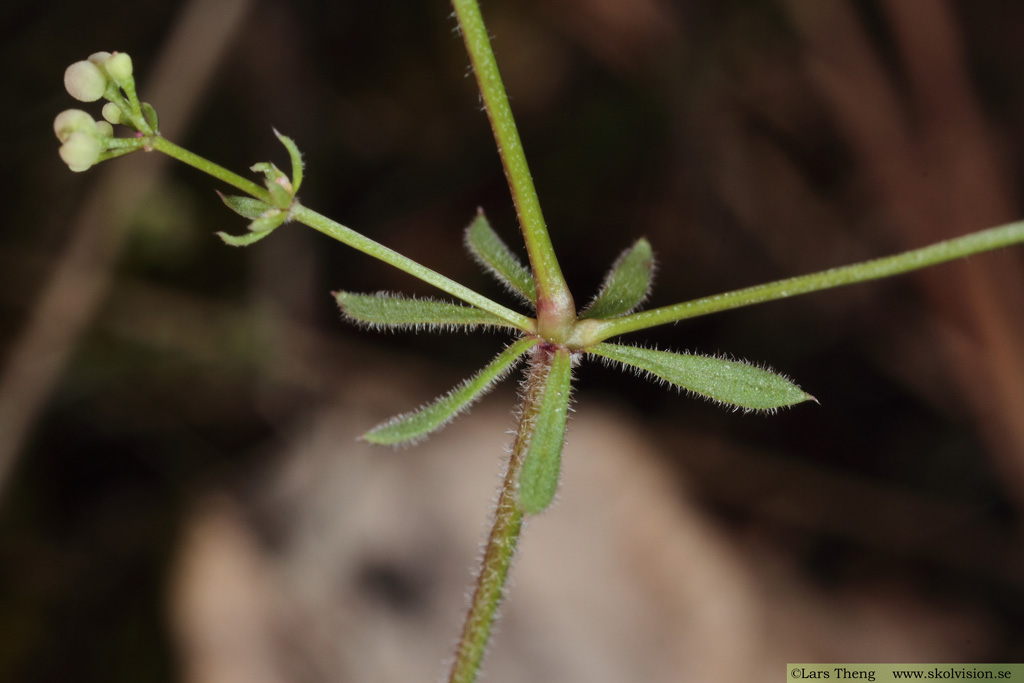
{"x": 84, "y": 81}
{"x": 119, "y": 67}
{"x": 112, "y": 112}
{"x": 104, "y": 129}
{"x": 80, "y": 151}
{"x": 99, "y": 58}
{"x": 73, "y": 121}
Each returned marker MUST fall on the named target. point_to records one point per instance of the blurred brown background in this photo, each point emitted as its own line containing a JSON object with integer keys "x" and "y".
{"x": 183, "y": 497}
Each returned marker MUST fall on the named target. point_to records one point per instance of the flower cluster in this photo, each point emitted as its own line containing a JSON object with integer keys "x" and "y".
{"x": 85, "y": 141}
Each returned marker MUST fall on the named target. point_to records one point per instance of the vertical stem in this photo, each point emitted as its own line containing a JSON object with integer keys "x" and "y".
{"x": 555, "y": 308}
{"x": 501, "y": 544}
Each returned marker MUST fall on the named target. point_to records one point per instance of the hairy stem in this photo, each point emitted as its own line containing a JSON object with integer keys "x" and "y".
{"x": 555, "y": 308}
{"x": 940, "y": 252}
{"x": 501, "y": 544}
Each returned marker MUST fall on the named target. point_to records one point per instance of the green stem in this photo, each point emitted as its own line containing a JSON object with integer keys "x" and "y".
{"x": 360, "y": 242}
{"x": 501, "y": 544}
{"x": 977, "y": 242}
{"x": 555, "y": 308}
{"x": 348, "y": 236}
{"x": 164, "y": 145}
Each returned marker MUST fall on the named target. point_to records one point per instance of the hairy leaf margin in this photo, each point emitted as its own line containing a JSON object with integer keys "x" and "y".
{"x": 388, "y": 311}
{"x": 626, "y": 285}
{"x": 538, "y": 479}
{"x": 488, "y": 249}
{"x": 408, "y": 428}
{"x": 734, "y": 383}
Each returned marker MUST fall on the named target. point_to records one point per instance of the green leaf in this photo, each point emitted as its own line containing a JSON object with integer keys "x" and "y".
{"x": 243, "y": 240}
{"x": 270, "y": 171}
{"x": 626, "y": 285}
{"x": 734, "y": 383}
{"x": 494, "y": 255}
{"x": 265, "y": 222}
{"x": 390, "y": 311}
{"x": 278, "y": 185}
{"x": 538, "y": 480}
{"x": 416, "y": 425}
{"x": 268, "y": 220}
{"x": 246, "y": 207}
{"x": 296, "y": 157}
{"x": 280, "y": 194}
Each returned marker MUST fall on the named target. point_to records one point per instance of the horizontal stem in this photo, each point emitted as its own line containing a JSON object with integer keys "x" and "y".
{"x": 977, "y": 242}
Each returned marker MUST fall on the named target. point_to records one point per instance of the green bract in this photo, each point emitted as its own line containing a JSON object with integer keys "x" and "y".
{"x": 271, "y": 212}
{"x": 246, "y": 207}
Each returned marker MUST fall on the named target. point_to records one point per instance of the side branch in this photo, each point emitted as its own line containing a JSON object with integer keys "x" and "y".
{"x": 949, "y": 250}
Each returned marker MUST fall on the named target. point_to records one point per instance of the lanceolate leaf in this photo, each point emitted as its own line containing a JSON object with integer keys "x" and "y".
{"x": 393, "y": 311}
{"x": 626, "y": 285}
{"x": 243, "y": 240}
{"x": 734, "y": 383}
{"x": 265, "y": 218}
{"x": 416, "y": 425}
{"x": 247, "y": 207}
{"x": 494, "y": 255}
{"x": 538, "y": 479}
{"x": 296, "y": 159}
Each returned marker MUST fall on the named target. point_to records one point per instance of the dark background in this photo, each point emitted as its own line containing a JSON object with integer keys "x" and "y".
{"x": 748, "y": 141}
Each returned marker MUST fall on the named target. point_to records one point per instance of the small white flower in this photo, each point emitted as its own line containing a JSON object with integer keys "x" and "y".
{"x": 80, "y": 151}
{"x": 99, "y": 58}
{"x": 85, "y": 81}
{"x": 112, "y": 112}
{"x": 73, "y": 121}
{"x": 119, "y": 67}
